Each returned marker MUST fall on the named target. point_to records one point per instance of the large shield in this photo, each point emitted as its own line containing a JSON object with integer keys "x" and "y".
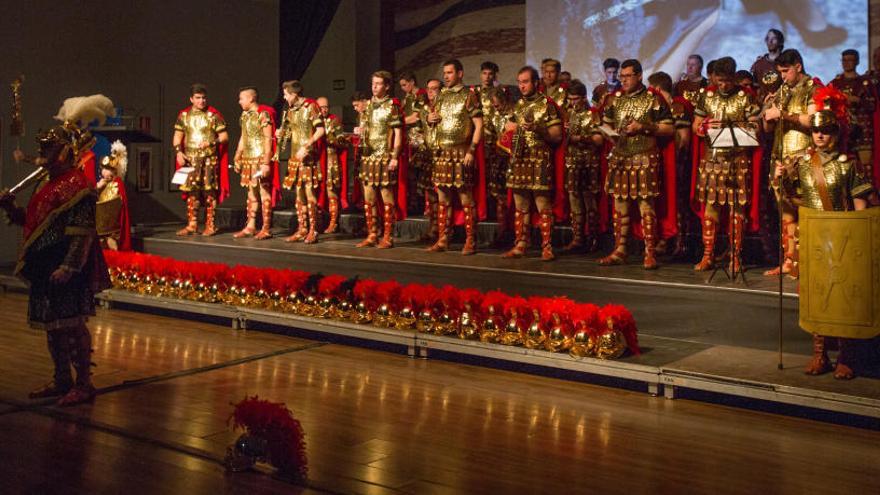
{"x": 107, "y": 216}
{"x": 840, "y": 272}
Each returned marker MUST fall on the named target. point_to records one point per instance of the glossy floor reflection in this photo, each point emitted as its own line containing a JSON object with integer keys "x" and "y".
{"x": 381, "y": 423}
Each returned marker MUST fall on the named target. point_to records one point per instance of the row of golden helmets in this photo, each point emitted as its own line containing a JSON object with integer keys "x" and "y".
{"x": 499, "y": 329}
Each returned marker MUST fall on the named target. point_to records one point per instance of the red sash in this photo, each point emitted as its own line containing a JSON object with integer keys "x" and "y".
{"x": 53, "y": 198}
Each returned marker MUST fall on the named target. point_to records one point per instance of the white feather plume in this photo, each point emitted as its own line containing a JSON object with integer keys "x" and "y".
{"x": 81, "y": 110}
{"x": 120, "y": 151}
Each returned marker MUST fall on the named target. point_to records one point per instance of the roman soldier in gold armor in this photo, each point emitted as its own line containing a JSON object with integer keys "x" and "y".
{"x": 862, "y": 103}
{"x": 302, "y": 128}
{"x": 414, "y": 100}
{"x": 337, "y": 156}
{"x": 682, "y": 116}
{"x": 200, "y": 140}
{"x": 253, "y": 160}
{"x": 534, "y": 164}
{"x": 823, "y": 178}
{"x": 497, "y": 142}
{"x": 639, "y": 116}
{"x": 111, "y": 211}
{"x": 582, "y": 167}
{"x": 425, "y": 181}
{"x": 458, "y": 122}
{"x": 550, "y": 84}
{"x": 611, "y": 84}
{"x": 414, "y": 104}
{"x": 788, "y": 117}
{"x": 724, "y": 174}
{"x": 692, "y": 82}
{"x": 381, "y": 162}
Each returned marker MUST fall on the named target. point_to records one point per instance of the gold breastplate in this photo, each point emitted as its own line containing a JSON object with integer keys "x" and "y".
{"x": 199, "y": 128}
{"x": 633, "y": 108}
{"x": 489, "y": 113}
{"x": 534, "y": 109}
{"x": 455, "y": 126}
{"x": 558, "y": 94}
{"x": 252, "y": 131}
{"x": 734, "y": 107}
{"x": 333, "y": 128}
{"x": 582, "y": 123}
{"x": 378, "y": 122}
{"x": 110, "y": 191}
{"x": 836, "y": 175}
{"x": 790, "y": 138}
{"x": 300, "y": 127}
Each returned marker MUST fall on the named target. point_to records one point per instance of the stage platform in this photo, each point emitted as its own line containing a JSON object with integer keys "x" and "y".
{"x": 717, "y": 337}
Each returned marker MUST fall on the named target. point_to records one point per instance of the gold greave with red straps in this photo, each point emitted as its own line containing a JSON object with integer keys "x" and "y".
{"x": 442, "y": 244}
{"x": 264, "y": 232}
{"x": 620, "y": 224}
{"x": 469, "y": 231}
{"x": 302, "y": 228}
{"x": 521, "y": 233}
{"x": 736, "y": 235}
{"x": 710, "y": 231}
{"x": 192, "y": 211}
{"x": 312, "y": 211}
{"x": 649, "y": 228}
{"x": 388, "y": 215}
{"x": 249, "y": 227}
{"x": 333, "y": 209}
{"x": 372, "y": 233}
{"x": 210, "y": 215}
{"x": 577, "y": 232}
{"x": 546, "y": 224}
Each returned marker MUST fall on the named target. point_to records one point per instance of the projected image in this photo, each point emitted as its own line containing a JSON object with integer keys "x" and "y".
{"x": 662, "y": 33}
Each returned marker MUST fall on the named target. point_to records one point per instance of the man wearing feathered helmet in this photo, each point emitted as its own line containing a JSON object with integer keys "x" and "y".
{"x": 59, "y": 256}
{"x": 823, "y": 178}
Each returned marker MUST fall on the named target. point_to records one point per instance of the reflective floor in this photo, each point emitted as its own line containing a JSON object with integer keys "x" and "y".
{"x": 382, "y": 423}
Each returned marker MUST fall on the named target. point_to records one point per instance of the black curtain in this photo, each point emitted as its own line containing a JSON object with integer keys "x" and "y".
{"x": 302, "y": 24}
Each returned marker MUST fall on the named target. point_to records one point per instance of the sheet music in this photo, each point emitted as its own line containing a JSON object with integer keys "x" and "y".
{"x": 181, "y": 175}
{"x": 608, "y": 131}
{"x": 732, "y": 137}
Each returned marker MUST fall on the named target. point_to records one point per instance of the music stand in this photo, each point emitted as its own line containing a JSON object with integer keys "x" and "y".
{"x": 732, "y": 135}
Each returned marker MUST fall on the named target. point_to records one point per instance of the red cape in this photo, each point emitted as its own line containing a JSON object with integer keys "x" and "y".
{"x": 479, "y": 189}
{"x": 342, "y": 159}
{"x": 124, "y": 220}
{"x": 322, "y": 158}
{"x": 875, "y": 156}
{"x": 273, "y": 165}
{"x": 666, "y": 208}
{"x": 357, "y": 192}
{"x": 222, "y": 159}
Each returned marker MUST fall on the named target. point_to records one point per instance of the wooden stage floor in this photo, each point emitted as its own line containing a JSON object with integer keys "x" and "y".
{"x": 382, "y": 423}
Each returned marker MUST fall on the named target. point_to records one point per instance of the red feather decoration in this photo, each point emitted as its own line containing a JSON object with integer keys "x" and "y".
{"x": 273, "y": 421}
